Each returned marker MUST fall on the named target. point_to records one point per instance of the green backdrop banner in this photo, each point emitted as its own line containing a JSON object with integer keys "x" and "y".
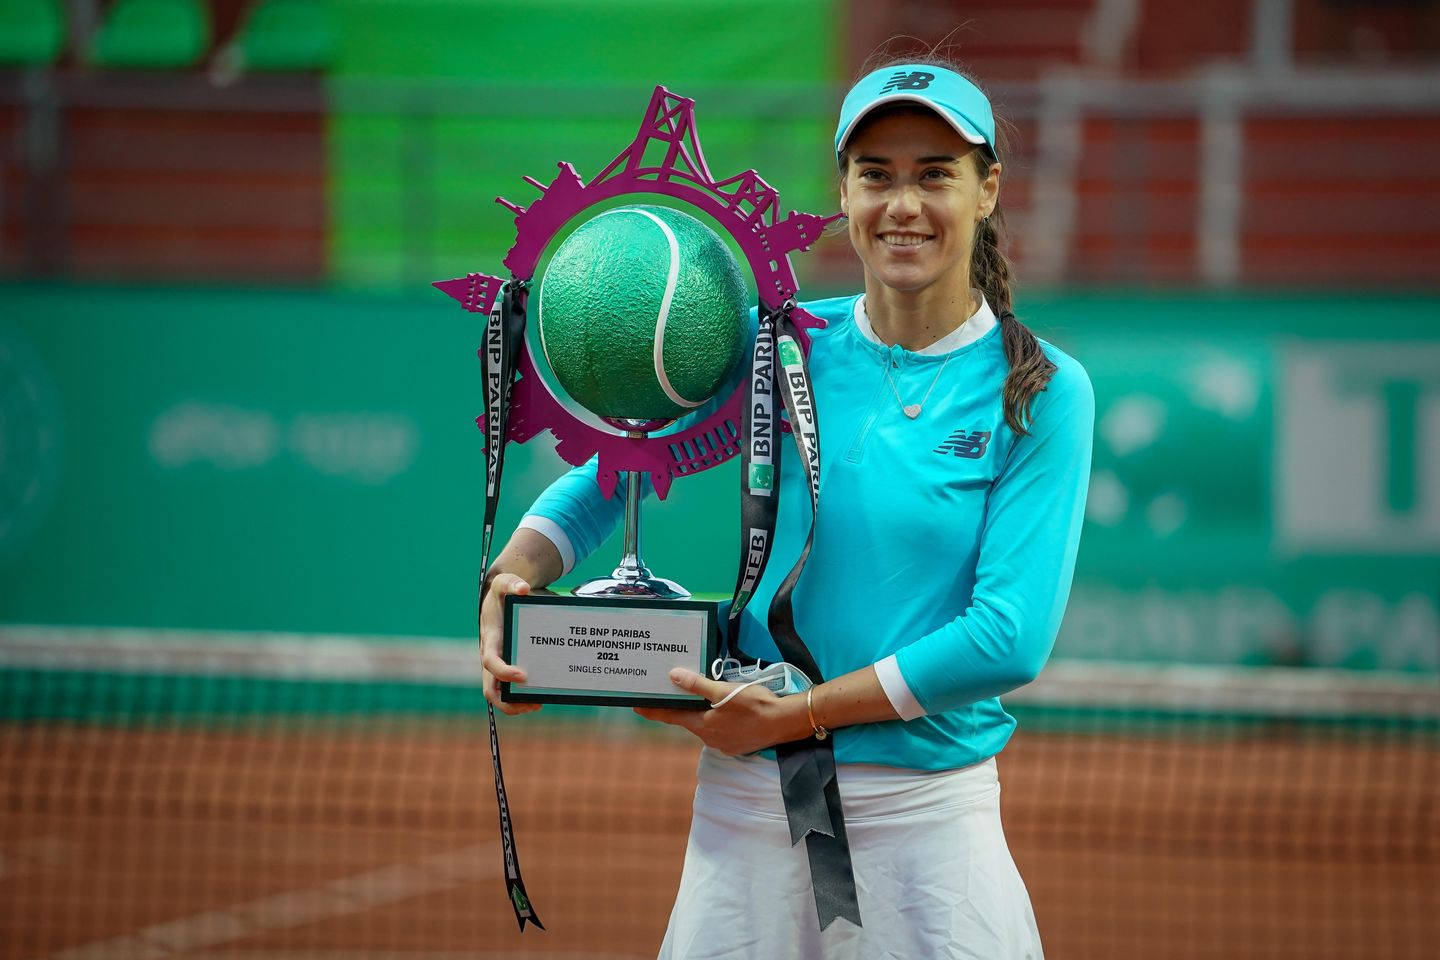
{"x": 428, "y": 126}
{"x": 1266, "y": 484}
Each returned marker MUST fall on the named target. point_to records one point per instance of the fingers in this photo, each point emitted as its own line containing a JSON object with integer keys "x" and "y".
{"x": 493, "y": 663}
{"x": 689, "y": 719}
{"x": 492, "y": 610}
{"x": 499, "y": 669}
{"x": 492, "y": 694}
{"x": 491, "y": 627}
{"x": 494, "y": 606}
{"x": 692, "y": 682}
{"x": 504, "y": 583}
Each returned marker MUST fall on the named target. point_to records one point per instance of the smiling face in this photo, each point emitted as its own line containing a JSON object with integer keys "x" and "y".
{"x": 914, "y": 196}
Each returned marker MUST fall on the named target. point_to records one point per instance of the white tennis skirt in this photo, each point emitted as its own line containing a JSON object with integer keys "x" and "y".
{"x": 933, "y": 872}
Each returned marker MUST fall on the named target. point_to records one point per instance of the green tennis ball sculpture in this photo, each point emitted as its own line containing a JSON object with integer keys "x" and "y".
{"x": 642, "y": 314}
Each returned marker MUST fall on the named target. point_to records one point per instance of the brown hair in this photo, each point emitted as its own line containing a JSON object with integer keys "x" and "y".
{"x": 1030, "y": 369}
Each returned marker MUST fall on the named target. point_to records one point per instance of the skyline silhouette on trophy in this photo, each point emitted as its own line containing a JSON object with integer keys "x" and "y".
{"x": 642, "y": 316}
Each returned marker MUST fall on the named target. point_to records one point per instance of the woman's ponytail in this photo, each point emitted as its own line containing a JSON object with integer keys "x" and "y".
{"x": 1030, "y": 369}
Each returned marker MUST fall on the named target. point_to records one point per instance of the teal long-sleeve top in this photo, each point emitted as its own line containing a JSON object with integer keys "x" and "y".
{"x": 944, "y": 544}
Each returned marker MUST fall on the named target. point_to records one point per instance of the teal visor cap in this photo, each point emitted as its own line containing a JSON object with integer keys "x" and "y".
{"x": 958, "y": 101}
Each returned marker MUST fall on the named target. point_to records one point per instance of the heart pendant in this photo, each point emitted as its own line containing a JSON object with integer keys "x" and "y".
{"x": 912, "y": 411}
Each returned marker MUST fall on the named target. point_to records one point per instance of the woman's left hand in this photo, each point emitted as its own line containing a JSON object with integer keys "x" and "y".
{"x": 755, "y": 718}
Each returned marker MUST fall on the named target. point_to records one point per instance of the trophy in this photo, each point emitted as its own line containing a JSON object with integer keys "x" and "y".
{"x": 642, "y": 321}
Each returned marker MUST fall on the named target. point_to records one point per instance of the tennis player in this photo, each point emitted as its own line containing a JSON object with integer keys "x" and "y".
{"x": 956, "y": 454}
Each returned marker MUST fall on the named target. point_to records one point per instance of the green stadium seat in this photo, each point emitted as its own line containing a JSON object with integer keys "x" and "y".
{"x": 157, "y": 34}
{"x": 32, "y": 32}
{"x": 289, "y": 35}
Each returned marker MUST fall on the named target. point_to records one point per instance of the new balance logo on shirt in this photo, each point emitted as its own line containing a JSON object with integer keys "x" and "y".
{"x": 969, "y": 444}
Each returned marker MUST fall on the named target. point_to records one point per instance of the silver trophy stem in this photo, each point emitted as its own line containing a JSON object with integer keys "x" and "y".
{"x": 632, "y": 578}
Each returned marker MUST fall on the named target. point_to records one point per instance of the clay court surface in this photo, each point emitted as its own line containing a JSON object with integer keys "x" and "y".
{"x": 283, "y": 842}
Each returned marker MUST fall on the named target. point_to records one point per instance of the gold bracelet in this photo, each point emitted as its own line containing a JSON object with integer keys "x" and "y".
{"x": 820, "y": 732}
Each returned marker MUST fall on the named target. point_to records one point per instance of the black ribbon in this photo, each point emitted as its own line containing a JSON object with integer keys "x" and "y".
{"x": 808, "y": 782}
{"x": 759, "y": 474}
{"x": 504, "y": 331}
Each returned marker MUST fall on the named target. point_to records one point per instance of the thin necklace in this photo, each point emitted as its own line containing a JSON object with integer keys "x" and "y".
{"x": 912, "y": 410}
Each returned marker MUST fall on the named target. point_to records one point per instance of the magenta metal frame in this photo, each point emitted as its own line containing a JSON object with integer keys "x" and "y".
{"x": 744, "y": 205}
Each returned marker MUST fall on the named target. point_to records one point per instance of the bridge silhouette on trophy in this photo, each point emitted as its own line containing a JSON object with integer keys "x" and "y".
{"x": 744, "y": 205}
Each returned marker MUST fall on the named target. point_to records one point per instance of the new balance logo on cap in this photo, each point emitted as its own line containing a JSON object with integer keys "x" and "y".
{"x": 968, "y": 444}
{"x": 914, "y": 80}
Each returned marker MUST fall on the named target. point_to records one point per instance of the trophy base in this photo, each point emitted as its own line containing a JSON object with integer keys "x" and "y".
{"x": 608, "y": 650}
{"x": 639, "y": 587}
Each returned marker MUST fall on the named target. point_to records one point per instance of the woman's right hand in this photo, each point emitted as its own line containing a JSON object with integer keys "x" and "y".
{"x": 492, "y": 634}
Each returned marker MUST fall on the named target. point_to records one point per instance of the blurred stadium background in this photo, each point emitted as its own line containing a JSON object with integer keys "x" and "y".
{"x": 239, "y": 476}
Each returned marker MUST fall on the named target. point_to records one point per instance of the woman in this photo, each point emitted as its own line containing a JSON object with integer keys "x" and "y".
{"x": 956, "y": 456}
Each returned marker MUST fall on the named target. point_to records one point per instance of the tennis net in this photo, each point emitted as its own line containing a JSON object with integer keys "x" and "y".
{"x": 272, "y": 797}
